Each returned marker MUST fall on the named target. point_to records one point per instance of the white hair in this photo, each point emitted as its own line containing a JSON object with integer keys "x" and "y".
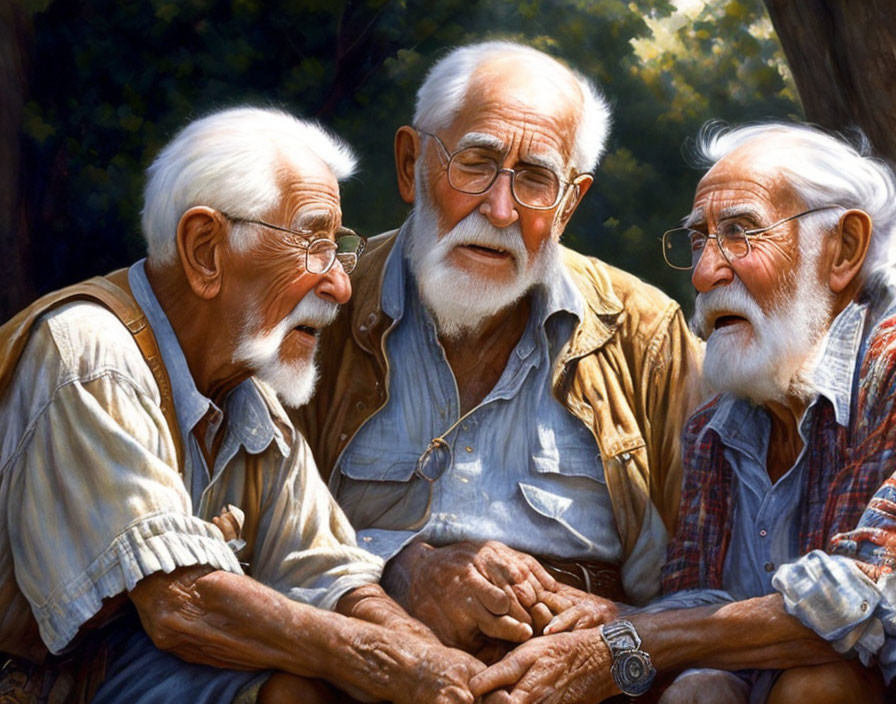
{"x": 442, "y": 94}
{"x": 777, "y": 360}
{"x": 458, "y": 300}
{"x": 293, "y": 381}
{"x": 823, "y": 170}
{"x": 230, "y": 161}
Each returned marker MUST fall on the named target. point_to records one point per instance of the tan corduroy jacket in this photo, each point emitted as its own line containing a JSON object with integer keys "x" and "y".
{"x": 630, "y": 373}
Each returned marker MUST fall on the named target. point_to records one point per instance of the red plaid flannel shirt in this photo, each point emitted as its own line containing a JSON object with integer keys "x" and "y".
{"x": 850, "y": 505}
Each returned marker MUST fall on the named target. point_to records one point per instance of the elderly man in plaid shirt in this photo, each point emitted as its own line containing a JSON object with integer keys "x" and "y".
{"x": 779, "y": 582}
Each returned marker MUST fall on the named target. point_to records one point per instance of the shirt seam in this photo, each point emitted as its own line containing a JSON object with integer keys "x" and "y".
{"x": 28, "y": 434}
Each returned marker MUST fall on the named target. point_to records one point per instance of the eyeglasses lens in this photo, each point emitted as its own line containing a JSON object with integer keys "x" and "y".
{"x": 474, "y": 171}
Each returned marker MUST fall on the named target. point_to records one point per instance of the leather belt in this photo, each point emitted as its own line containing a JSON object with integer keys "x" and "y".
{"x": 599, "y": 578}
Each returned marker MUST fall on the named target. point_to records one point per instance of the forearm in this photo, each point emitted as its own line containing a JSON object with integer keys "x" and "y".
{"x": 396, "y": 580}
{"x": 754, "y": 633}
{"x": 232, "y": 621}
{"x": 370, "y": 603}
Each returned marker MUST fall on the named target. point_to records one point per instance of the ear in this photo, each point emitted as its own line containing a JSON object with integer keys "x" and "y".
{"x": 201, "y": 236}
{"x": 849, "y": 249}
{"x": 574, "y": 194}
{"x": 407, "y": 149}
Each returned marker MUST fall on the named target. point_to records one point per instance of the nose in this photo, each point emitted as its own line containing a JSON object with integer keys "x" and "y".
{"x": 712, "y": 269}
{"x": 498, "y": 205}
{"x": 335, "y": 285}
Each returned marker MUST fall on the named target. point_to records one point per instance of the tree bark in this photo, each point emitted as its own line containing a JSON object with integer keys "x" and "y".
{"x": 843, "y": 57}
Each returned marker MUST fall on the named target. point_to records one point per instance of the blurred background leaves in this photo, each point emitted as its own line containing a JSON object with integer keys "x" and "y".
{"x": 107, "y": 83}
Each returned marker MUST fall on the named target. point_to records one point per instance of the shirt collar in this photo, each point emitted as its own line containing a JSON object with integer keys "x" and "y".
{"x": 833, "y": 372}
{"x": 557, "y": 296}
{"x": 740, "y": 422}
{"x": 251, "y": 415}
{"x": 742, "y": 426}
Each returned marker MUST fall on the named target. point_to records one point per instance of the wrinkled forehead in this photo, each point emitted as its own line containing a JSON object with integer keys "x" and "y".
{"x": 309, "y": 193}
{"x": 528, "y": 102}
{"x": 749, "y": 179}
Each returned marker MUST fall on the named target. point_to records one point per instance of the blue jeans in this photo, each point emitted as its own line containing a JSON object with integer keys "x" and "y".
{"x": 140, "y": 673}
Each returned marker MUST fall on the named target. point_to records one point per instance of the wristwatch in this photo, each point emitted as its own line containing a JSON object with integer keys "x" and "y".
{"x": 632, "y": 670}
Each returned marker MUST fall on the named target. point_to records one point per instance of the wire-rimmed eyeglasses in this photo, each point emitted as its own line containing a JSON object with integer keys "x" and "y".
{"x": 473, "y": 170}
{"x": 683, "y": 247}
{"x": 321, "y": 252}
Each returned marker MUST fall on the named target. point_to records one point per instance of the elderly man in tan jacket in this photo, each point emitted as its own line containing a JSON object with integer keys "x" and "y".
{"x": 499, "y": 416}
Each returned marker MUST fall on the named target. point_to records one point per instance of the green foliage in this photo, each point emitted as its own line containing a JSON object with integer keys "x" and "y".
{"x": 114, "y": 80}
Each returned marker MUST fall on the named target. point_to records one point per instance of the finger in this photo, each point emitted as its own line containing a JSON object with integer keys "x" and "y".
{"x": 502, "y": 569}
{"x": 499, "y": 697}
{"x": 565, "y": 621}
{"x": 454, "y": 695}
{"x": 557, "y": 602}
{"x": 502, "y": 674}
{"x": 537, "y": 570}
{"x": 517, "y": 610}
{"x": 506, "y": 628}
{"x": 225, "y": 526}
{"x": 541, "y": 615}
{"x": 490, "y": 596}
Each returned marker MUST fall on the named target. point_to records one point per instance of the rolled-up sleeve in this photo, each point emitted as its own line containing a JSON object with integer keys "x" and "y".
{"x": 831, "y": 595}
{"x": 94, "y": 503}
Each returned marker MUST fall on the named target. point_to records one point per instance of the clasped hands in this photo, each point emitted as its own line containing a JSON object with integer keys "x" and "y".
{"x": 485, "y": 598}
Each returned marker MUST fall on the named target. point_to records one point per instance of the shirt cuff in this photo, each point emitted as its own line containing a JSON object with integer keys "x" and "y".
{"x": 833, "y": 597}
{"x": 158, "y": 542}
{"x": 385, "y": 544}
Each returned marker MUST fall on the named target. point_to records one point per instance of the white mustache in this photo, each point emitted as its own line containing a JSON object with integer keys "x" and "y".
{"x": 312, "y": 311}
{"x": 733, "y": 299}
{"x": 476, "y": 229}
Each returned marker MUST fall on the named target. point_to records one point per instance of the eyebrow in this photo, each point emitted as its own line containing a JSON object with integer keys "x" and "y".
{"x": 315, "y": 221}
{"x": 480, "y": 139}
{"x": 695, "y": 217}
{"x": 550, "y": 160}
{"x": 698, "y": 215}
{"x": 740, "y": 210}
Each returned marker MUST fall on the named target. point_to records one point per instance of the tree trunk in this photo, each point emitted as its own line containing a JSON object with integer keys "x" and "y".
{"x": 15, "y": 274}
{"x": 843, "y": 57}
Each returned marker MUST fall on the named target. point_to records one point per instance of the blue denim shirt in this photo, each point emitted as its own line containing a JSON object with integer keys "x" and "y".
{"x": 249, "y": 421}
{"x": 825, "y": 592}
{"x": 523, "y": 470}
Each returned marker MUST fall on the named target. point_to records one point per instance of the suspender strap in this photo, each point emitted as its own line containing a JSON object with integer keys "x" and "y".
{"x": 113, "y": 292}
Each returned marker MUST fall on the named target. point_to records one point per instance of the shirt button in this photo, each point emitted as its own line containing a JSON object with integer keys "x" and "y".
{"x": 465, "y": 426}
{"x": 864, "y": 606}
{"x": 763, "y": 532}
{"x": 468, "y": 448}
{"x": 769, "y": 566}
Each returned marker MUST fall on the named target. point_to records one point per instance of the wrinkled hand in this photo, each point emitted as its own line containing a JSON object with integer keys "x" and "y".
{"x": 566, "y": 668}
{"x": 576, "y": 609}
{"x": 437, "y": 674}
{"x": 468, "y": 591}
{"x": 230, "y": 522}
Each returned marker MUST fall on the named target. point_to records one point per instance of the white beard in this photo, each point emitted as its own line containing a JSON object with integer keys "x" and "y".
{"x": 777, "y": 360}
{"x": 293, "y": 381}
{"x": 459, "y": 300}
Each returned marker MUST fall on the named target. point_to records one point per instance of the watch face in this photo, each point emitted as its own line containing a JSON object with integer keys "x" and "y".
{"x": 633, "y": 672}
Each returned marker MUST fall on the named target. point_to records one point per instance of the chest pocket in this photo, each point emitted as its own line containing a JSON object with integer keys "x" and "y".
{"x": 566, "y": 486}
{"x": 377, "y": 488}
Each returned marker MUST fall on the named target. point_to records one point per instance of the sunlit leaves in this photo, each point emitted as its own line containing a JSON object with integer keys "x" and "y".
{"x": 112, "y": 81}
